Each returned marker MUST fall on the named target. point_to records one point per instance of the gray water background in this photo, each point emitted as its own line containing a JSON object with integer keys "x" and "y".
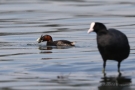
{"x": 27, "y": 65}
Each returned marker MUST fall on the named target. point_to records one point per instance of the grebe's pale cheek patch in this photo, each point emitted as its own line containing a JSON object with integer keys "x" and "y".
{"x": 91, "y": 27}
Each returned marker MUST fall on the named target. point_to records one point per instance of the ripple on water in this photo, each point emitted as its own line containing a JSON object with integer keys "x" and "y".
{"x": 27, "y": 65}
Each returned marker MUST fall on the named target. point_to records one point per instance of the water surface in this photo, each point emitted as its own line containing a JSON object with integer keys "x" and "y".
{"x": 26, "y": 65}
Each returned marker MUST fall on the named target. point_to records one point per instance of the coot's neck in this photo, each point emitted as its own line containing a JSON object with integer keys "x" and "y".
{"x": 101, "y": 31}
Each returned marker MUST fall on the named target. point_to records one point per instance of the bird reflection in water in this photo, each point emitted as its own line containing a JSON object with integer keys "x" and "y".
{"x": 115, "y": 83}
{"x": 48, "y": 49}
{"x": 54, "y": 47}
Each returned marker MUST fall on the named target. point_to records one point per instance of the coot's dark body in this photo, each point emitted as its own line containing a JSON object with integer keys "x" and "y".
{"x": 112, "y": 44}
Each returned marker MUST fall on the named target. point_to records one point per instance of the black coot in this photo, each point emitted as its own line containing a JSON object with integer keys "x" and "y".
{"x": 112, "y": 44}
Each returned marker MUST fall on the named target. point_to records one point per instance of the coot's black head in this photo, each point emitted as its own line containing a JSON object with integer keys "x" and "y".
{"x": 96, "y": 26}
